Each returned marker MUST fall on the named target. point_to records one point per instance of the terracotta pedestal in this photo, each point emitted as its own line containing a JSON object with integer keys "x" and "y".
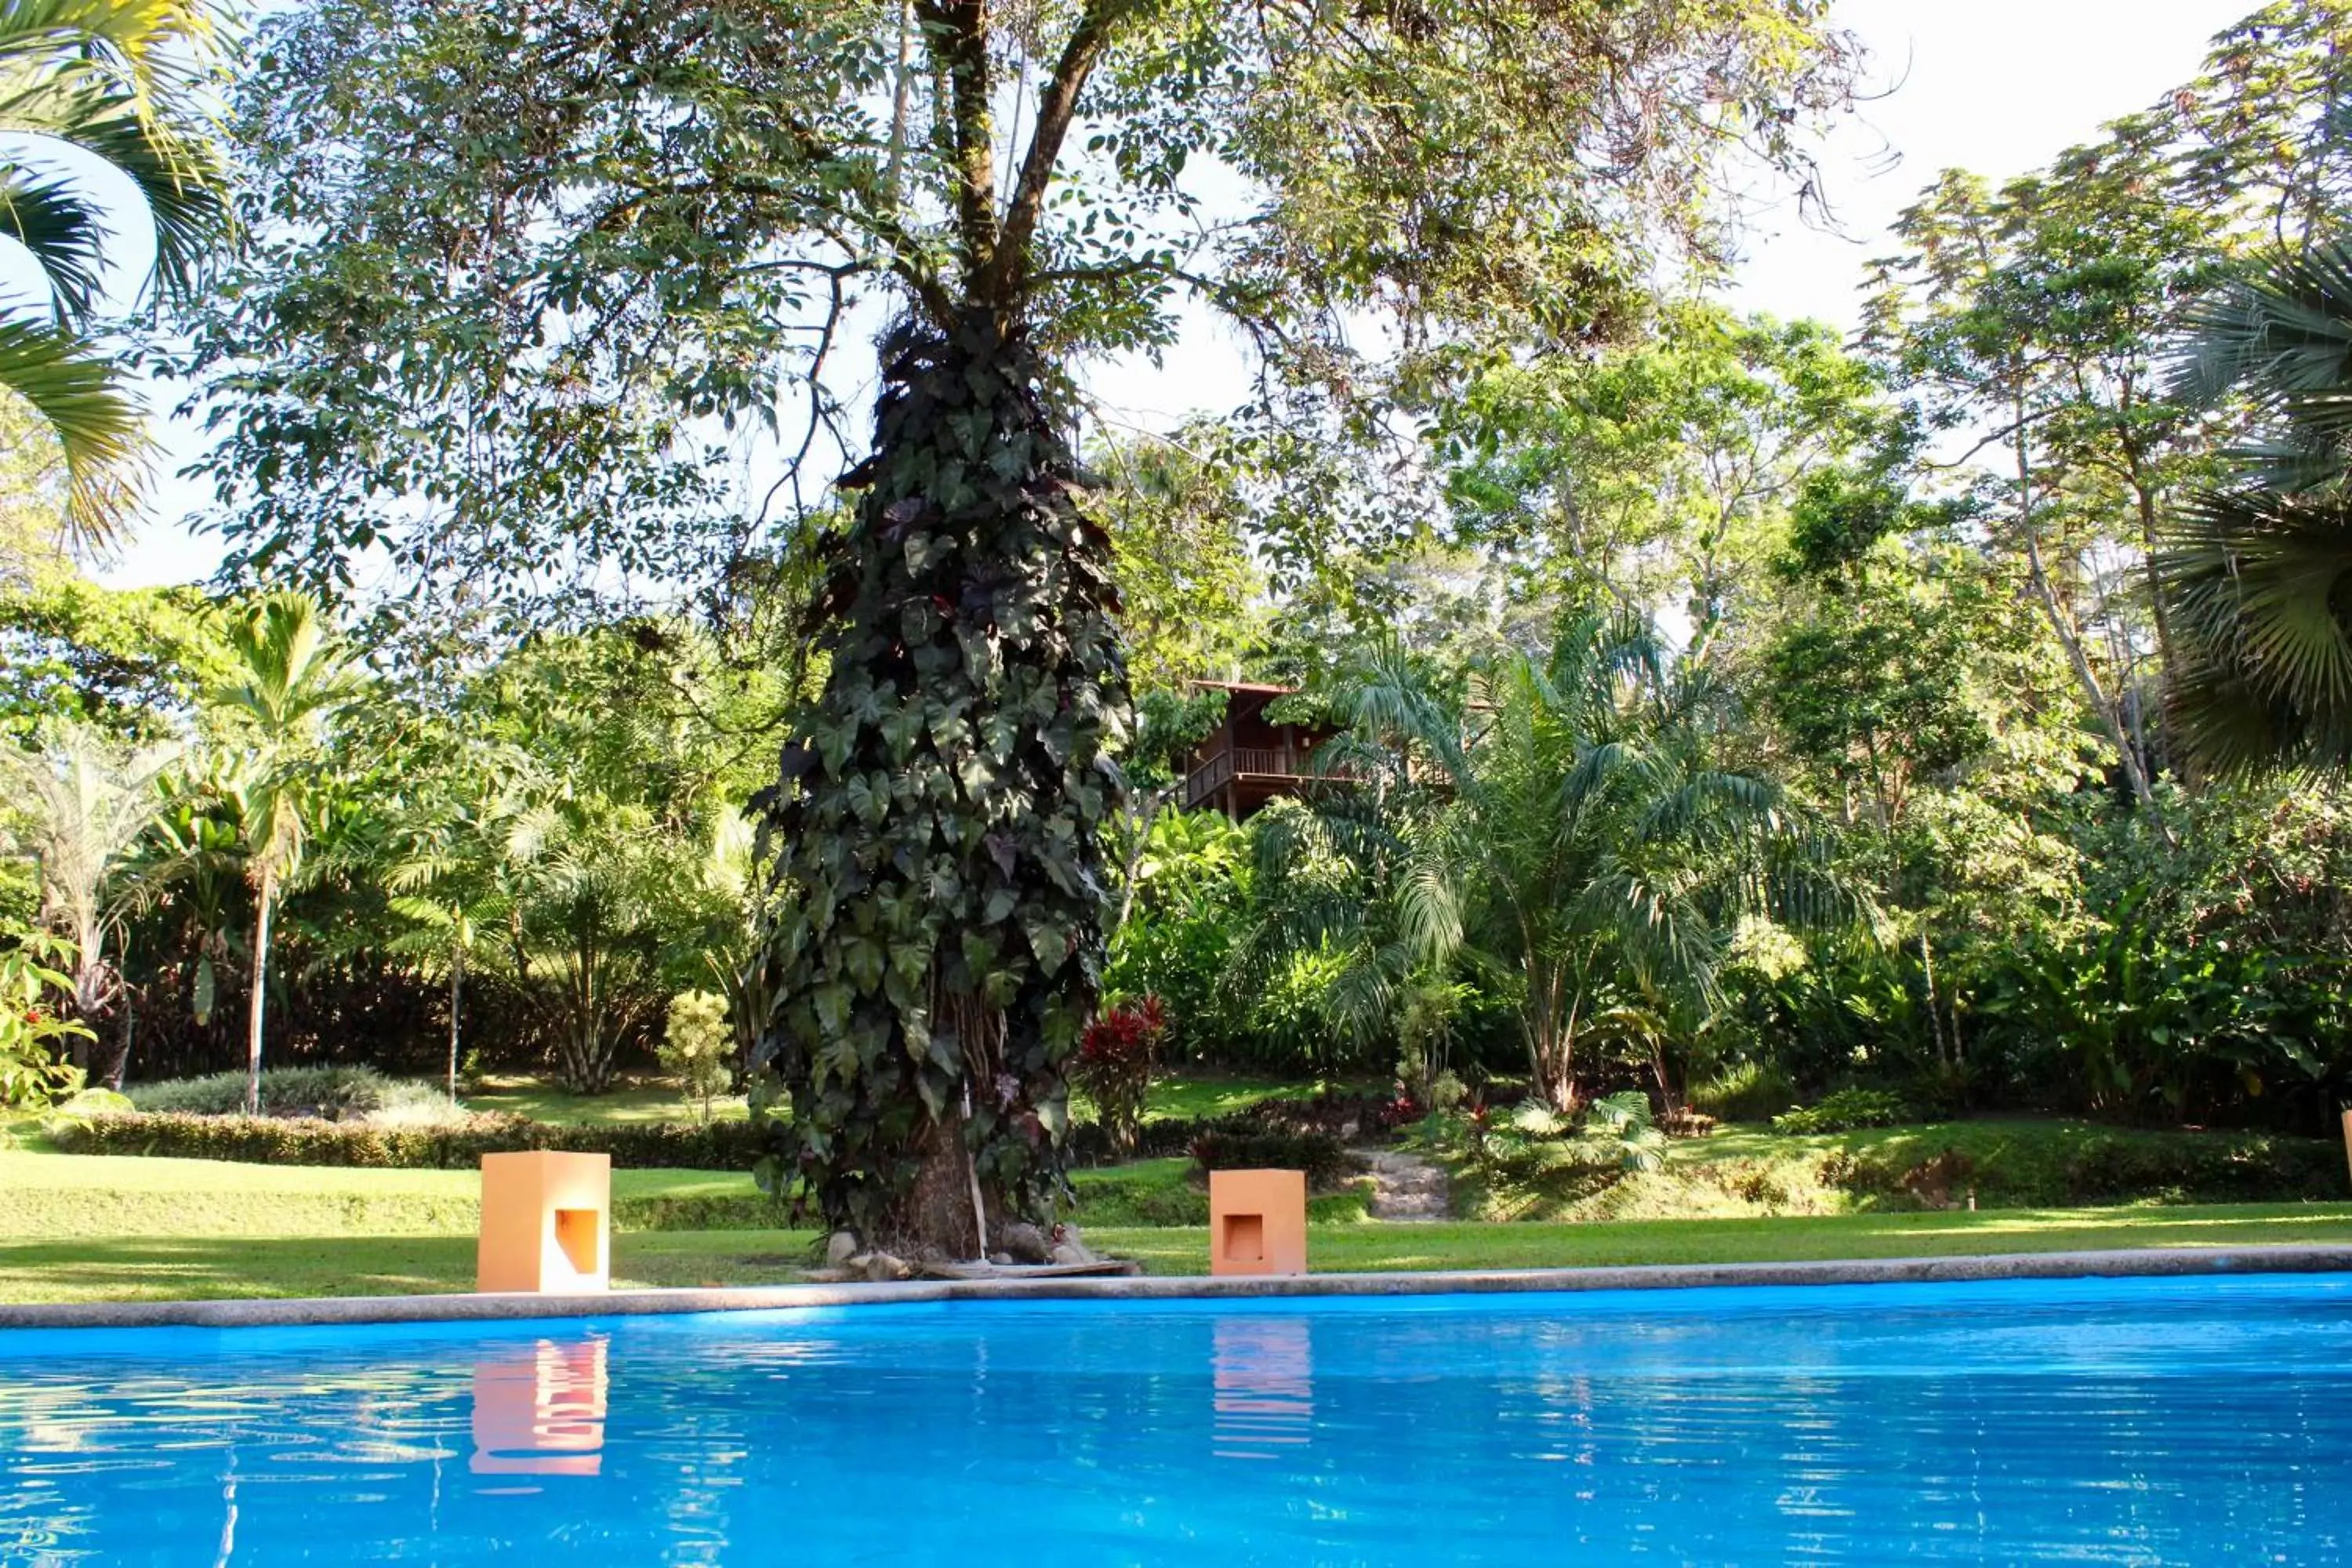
{"x": 547, "y": 1222}
{"x": 1257, "y": 1222}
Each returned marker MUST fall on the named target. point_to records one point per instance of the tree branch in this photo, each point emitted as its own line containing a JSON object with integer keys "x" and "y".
{"x": 956, "y": 34}
{"x": 1057, "y": 106}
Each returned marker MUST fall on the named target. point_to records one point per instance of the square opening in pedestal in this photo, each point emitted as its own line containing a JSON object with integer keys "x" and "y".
{"x": 575, "y": 1233}
{"x": 1245, "y": 1239}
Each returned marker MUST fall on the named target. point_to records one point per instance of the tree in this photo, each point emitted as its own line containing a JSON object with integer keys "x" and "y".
{"x": 453, "y": 879}
{"x": 294, "y": 677}
{"x": 1572, "y": 834}
{"x": 2256, "y": 572}
{"x": 83, "y": 802}
{"x": 1657, "y": 473}
{"x": 2031, "y": 315}
{"x": 121, "y": 84}
{"x": 577, "y": 237}
{"x": 696, "y": 1047}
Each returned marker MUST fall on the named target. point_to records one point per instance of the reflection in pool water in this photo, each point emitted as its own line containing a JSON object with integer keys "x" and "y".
{"x": 2176, "y": 1422}
{"x": 540, "y": 1411}
{"x": 1264, "y": 1386}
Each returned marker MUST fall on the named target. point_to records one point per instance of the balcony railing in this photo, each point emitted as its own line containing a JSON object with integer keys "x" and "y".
{"x": 1220, "y": 768}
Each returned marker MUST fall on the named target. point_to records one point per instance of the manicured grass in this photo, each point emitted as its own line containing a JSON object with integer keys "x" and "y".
{"x": 2010, "y": 1163}
{"x": 633, "y": 1102}
{"x": 188, "y": 1267}
{"x": 1342, "y": 1248}
{"x": 63, "y": 1196}
{"x": 47, "y": 1196}
{"x": 1179, "y": 1097}
{"x": 167, "y": 1267}
{"x": 1184, "y": 1096}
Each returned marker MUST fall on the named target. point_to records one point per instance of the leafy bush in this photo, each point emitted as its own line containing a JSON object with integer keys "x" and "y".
{"x": 1446, "y": 1093}
{"x": 1116, "y": 1059}
{"x": 31, "y": 1030}
{"x": 2067, "y": 1167}
{"x": 1846, "y": 1111}
{"x": 698, "y": 1047}
{"x": 412, "y": 1103}
{"x": 329, "y": 1093}
{"x": 1340, "y": 1116}
{"x": 306, "y": 1141}
{"x": 1625, "y": 1124}
{"x": 1744, "y": 1091}
{"x": 1323, "y": 1158}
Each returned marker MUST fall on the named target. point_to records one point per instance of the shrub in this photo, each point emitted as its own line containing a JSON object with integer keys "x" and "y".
{"x": 460, "y": 1145}
{"x": 1323, "y": 1158}
{"x": 1116, "y": 1059}
{"x": 410, "y": 1102}
{"x": 697, "y": 1048}
{"x": 2065, "y": 1167}
{"x": 1446, "y": 1093}
{"x": 1342, "y": 1116}
{"x": 32, "y": 1032}
{"x": 1625, "y": 1125}
{"x": 331, "y": 1093}
{"x": 1847, "y": 1111}
{"x": 1744, "y": 1091}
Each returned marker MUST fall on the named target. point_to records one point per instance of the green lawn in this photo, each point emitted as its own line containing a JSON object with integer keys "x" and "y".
{"x": 187, "y": 1267}
{"x": 1183, "y": 1096}
{"x": 117, "y": 1228}
{"x": 633, "y": 1102}
{"x": 1341, "y": 1249}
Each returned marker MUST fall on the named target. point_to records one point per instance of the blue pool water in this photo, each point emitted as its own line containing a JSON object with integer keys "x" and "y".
{"x": 2173, "y": 1422}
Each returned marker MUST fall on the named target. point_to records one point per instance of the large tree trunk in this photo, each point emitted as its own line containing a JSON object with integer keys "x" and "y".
{"x": 939, "y": 822}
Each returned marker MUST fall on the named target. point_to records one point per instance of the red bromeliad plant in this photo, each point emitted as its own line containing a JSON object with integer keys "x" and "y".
{"x": 1116, "y": 1056}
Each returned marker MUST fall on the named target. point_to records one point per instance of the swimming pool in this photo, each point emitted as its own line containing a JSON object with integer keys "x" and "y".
{"x": 2151, "y": 1421}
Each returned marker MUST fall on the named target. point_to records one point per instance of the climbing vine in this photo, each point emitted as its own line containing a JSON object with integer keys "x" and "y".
{"x": 936, "y": 827}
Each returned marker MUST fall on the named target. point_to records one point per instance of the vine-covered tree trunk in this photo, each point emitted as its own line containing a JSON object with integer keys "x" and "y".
{"x": 938, "y": 829}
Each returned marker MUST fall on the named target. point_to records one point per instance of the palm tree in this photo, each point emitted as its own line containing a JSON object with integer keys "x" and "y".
{"x": 1565, "y": 828}
{"x": 84, "y": 801}
{"x": 120, "y": 81}
{"x": 455, "y": 876}
{"x": 2257, "y": 575}
{"x": 293, "y": 676}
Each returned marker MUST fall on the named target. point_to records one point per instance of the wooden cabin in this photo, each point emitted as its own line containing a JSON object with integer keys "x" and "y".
{"x": 1249, "y": 760}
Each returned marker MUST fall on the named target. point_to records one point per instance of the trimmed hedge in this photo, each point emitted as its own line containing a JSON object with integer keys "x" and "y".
{"x": 458, "y": 1146}
{"x": 2099, "y": 1167}
{"x": 1847, "y": 1110}
{"x": 1338, "y": 1118}
{"x": 1323, "y": 1157}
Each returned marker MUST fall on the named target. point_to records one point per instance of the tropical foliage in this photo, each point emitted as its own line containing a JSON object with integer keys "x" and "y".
{"x": 1708, "y": 713}
{"x": 123, "y": 86}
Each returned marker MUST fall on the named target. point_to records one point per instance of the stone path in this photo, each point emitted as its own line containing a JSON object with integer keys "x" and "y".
{"x": 1406, "y": 1187}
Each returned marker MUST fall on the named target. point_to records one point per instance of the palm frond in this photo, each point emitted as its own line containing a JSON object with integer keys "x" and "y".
{"x": 61, "y": 230}
{"x": 125, "y": 79}
{"x": 2259, "y": 585}
{"x": 98, "y": 424}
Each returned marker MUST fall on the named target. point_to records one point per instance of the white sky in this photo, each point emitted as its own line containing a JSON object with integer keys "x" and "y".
{"x": 1996, "y": 86}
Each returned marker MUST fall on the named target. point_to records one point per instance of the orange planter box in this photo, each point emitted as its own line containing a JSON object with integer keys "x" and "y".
{"x": 547, "y": 1222}
{"x": 1257, "y": 1222}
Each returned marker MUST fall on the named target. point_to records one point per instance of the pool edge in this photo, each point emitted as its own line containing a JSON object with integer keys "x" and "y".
{"x": 471, "y": 1308}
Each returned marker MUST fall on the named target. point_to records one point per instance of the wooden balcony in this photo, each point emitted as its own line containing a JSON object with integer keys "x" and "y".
{"x": 1242, "y": 778}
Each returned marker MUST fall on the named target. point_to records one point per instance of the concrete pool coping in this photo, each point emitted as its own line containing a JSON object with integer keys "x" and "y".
{"x": 281, "y": 1312}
